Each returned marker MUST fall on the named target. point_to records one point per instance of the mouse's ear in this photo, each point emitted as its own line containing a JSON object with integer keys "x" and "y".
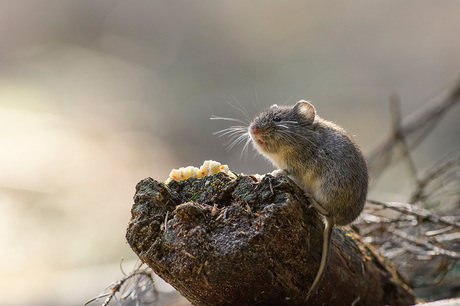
{"x": 305, "y": 109}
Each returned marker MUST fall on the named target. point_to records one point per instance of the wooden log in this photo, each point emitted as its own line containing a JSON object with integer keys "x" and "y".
{"x": 224, "y": 241}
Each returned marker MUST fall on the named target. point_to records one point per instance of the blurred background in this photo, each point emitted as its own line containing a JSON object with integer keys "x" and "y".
{"x": 97, "y": 95}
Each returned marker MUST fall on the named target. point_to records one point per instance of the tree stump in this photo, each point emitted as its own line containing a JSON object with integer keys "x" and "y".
{"x": 225, "y": 241}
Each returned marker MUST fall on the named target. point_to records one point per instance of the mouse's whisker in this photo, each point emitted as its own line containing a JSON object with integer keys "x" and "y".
{"x": 230, "y": 131}
{"x": 290, "y": 122}
{"x": 234, "y": 137}
{"x": 238, "y": 140}
{"x": 286, "y": 124}
{"x": 237, "y": 132}
{"x": 230, "y": 147}
{"x": 240, "y": 108}
{"x": 300, "y": 136}
{"x": 245, "y": 148}
{"x": 285, "y": 135}
{"x": 257, "y": 99}
{"x": 287, "y": 100}
{"x": 228, "y": 119}
{"x": 295, "y": 136}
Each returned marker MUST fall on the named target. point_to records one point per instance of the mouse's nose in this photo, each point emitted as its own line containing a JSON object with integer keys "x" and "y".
{"x": 255, "y": 130}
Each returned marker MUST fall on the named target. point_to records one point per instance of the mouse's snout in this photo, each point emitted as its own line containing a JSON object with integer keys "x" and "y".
{"x": 255, "y": 130}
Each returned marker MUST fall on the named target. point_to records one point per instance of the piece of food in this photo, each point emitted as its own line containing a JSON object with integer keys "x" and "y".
{"x": 209, "y": 167}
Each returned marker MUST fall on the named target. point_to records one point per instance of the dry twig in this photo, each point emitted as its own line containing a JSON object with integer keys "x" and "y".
{"x": 410, "y": 235}
{"x": 417, "y": 211}
{"x": 417, "y": 125}
{"x": 137, "y": 286}
{"x": 438, "y": 172}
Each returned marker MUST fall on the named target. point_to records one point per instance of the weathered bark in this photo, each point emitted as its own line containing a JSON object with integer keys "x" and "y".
{"x": 239, "y": 242}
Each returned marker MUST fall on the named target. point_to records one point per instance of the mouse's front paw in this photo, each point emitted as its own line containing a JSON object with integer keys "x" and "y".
{"x": 278, "y": 173}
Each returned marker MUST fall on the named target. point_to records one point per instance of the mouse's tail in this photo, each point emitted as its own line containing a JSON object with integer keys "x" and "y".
{"x": 324, "y": 256}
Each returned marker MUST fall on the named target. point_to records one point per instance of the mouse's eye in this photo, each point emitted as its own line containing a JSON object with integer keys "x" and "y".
{"x": 277, "y": 118}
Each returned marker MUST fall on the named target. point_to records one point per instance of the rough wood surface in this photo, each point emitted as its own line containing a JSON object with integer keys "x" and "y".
{"x": 240, "y": 242}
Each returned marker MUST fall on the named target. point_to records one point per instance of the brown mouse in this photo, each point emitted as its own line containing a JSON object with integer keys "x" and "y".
{"x": 321, "y": 158}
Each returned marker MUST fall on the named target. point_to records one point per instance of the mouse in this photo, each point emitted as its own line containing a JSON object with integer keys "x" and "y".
{"x": 320, "y": 157}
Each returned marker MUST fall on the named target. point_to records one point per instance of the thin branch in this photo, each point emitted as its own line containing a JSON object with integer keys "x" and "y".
{"x": 432, "y": 249}
{"x": 423, "y": 121}
{"x": 417, "y": 211}
{"x": 115, "y": 287}
{"x": 432, "y": 175}
{"x": 399, "y": 135}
